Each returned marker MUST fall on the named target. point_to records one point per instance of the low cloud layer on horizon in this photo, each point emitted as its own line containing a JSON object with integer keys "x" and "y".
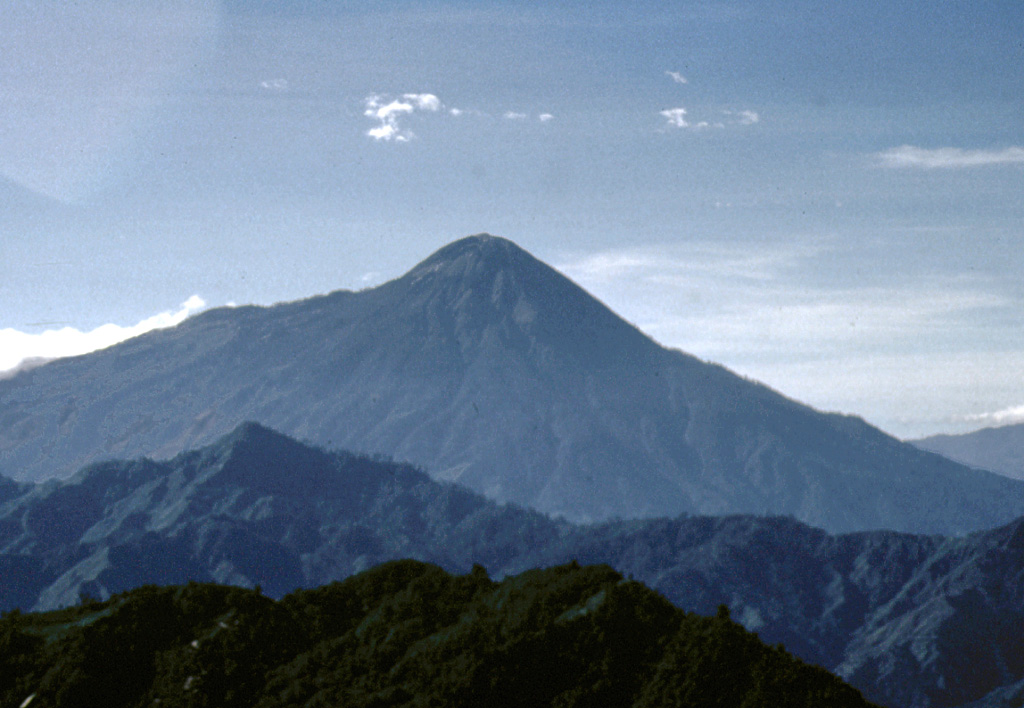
{"x": 20, "y": 350}
{"x": 1006, "y": 416}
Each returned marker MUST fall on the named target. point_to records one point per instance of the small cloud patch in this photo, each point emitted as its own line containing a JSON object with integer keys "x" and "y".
{"x": 1006, "y": 416}
{"x": 676, "y": 117}
{"x": 393, "y": 114}
{"x": 748, "y": 117}
{"x": 390, "y": 111}
{"x": 909, "y": 156}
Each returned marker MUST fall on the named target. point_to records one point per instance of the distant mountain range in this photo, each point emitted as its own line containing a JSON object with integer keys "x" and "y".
{"x": 403, "y": 634}
{"x": 256, "y": 507}
{"x": 911, "y": 620}
{"x": 996, "y": 449}
{"x": 484, "y": 366}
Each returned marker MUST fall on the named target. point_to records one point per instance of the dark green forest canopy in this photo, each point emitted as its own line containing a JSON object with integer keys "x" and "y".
{"x": 403, "y": 634}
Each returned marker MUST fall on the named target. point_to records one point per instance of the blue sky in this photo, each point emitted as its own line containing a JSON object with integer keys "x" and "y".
{"x": 822, "y": 196}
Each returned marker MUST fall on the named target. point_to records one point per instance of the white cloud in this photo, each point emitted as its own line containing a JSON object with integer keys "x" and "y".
{"x": 743, "y": 117}
{"x": 516, "y": 115}
{"x": 468, "y": 112}
{"x": 17, "y": 348}
{"x": 275, "y": 84}
{"x": 676, "y": 117}
{"x": 424, "y": 101}
{"x": 1006, "y": 416}
{"x": 748, "y": 117}
{"x": 389, "y": 112}
{"x": 677, "y": 77}
{"x": 949, "y": 157}
{"x": 193, "y": 304}
{"x": 388, "y": 131}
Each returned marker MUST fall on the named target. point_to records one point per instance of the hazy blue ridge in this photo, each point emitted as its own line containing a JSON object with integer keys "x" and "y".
{"x": 483, "y": 365}
{"x": 996, "y": 449}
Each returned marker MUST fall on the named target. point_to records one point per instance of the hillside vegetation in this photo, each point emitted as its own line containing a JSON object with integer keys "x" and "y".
{"x": 911, "y": 621}
{"x": 402, "y": 634}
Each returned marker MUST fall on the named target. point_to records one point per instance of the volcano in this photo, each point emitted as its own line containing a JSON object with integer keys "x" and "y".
{"x": 483, "y": 365}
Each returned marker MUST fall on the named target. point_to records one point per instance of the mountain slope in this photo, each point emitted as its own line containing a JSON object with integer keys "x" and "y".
{"x": 913, "y": 621}
{"x": 255, "y": 507}
{"x": 484, "y": 366}
{"x": 997, "y": 449}
{"x": 403, "y": 634}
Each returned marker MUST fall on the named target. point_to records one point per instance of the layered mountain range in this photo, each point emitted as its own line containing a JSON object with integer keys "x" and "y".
{"x": 911, "y": 620}
{"x": 484, "y": 366}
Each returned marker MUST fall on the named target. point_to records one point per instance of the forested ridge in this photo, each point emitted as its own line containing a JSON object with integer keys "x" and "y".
{"x": 896, "y": 615}
{"x": 405, "y": 633}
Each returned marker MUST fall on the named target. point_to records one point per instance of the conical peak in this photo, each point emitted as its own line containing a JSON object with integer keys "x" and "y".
{"x": 473, "y": 255}
{"x": 252, "y": 442}
{"x": 256, "y": 456}
{"x": 487, "y": 283}
{"x": 477, "y": 242}
{"x": 490, "y": 274}
{"x": 251, "y": 433}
